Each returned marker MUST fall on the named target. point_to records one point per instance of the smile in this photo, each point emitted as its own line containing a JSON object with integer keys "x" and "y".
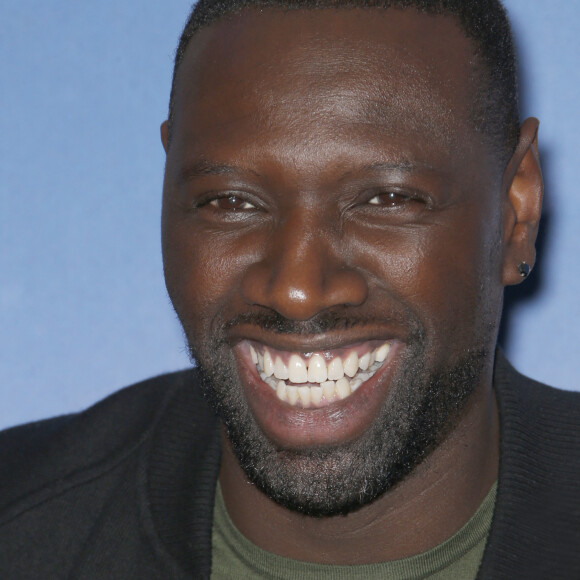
{"x": 317, "y": 379}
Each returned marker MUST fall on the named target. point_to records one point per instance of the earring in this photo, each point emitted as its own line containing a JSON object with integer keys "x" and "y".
{"x": 524, "y": 269}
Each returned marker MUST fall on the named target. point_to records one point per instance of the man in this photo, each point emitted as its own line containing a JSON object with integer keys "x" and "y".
{"x": 347, "y": 192}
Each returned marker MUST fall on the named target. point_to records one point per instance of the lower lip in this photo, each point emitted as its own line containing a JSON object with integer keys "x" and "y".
{"x": 296, "y": 427}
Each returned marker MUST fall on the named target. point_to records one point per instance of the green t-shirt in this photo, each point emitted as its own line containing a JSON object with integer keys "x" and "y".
{"x": 457, "y": 558}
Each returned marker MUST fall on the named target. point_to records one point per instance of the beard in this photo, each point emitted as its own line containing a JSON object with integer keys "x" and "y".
{"x": 422, "y": 406}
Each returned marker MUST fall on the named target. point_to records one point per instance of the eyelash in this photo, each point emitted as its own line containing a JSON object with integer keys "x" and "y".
{"x": 216, "y": 199}
{"x": 394, "y": 199}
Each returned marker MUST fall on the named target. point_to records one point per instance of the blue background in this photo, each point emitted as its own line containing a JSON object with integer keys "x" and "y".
{"x": 83, "y": 307}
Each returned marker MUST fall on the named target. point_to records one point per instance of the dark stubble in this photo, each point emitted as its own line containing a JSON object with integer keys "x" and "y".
{"x": 422, "y": 407}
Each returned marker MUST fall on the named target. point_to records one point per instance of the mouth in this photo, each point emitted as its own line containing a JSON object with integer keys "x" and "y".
{"x": 327, "y": 396}
{"x": 318, "y": 379}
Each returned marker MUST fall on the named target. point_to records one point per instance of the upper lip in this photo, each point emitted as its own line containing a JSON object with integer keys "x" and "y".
{"x": 313, "y": 343}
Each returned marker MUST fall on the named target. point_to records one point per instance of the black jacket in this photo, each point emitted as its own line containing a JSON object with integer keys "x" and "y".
{"x": 125, "y": 490}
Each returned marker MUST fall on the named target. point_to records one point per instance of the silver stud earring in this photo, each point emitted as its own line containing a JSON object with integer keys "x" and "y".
{"x": 524, "y": 269}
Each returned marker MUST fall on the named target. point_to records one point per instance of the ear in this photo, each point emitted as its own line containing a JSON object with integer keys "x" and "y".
{"x": 524, "y": 189}
{"x": 164, "y": 134}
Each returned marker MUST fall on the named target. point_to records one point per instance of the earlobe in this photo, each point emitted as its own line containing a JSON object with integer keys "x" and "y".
{"x": 164, "y": 134}
{"x": 524, "y": 189}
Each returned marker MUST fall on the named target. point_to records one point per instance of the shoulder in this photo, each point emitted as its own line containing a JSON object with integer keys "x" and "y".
{"x": 525, "y": 400}
{"x": 537, "y": 513}
{"x": 538, "y": 421}
{"x": 48, "y": 453}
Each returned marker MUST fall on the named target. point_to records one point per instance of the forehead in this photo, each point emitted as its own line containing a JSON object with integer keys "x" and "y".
{"x": 324, "y": 74}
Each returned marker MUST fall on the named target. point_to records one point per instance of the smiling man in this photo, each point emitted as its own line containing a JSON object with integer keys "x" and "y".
{"x": 347, "y": 192}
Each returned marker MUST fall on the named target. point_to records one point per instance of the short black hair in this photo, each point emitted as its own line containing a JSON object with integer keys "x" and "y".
{"x": 485, "y": 22}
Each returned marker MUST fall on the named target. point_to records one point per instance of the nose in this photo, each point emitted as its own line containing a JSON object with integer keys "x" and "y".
{"x": 304, "y": 270}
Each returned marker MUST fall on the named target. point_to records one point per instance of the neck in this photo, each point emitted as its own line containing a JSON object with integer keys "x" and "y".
{"x": 423, "y": 510}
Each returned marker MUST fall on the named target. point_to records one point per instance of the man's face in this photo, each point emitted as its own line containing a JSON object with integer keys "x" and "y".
{"x": 332, "y": 243}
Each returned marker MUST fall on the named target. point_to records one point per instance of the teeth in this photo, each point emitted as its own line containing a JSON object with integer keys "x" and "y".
{"x": 281, "y": 390}
{"x": 316, "y": 395}
{"x": 363, "y": 376}
{"x": 297, "y": 372}
{"x": 382, "y": 352}
{"x": 343, "y": 388}
{"x": 326, "y": 382}
{"x": 268, "y": 365}
{"x": 335, "y": 369}
{"x": 328, "y": 390}
{"x": 317, "y": 372}
{"x": 351, "y": 364}
{"x": 304, "y": 394}
{"x": 292, "y": 395}
{"x": 280, "y": 369}
{"x": 363, "y": 362}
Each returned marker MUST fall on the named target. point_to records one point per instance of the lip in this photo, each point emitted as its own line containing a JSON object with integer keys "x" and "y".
{"x": 342, "y": 421}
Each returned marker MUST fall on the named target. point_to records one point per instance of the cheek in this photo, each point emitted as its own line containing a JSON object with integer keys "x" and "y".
{"x": 203, "y": 270}
{"x": 440, "y": 272}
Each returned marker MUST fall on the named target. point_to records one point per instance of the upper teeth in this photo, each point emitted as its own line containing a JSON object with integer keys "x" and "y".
{"x": 322, "y": 380}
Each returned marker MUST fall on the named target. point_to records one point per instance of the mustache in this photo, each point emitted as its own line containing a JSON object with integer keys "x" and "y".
{"x": 274, "y": 322}
{"x": 326, "y": 321}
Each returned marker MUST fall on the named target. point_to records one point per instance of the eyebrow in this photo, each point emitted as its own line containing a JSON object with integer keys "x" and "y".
{"x": 403, "y": 165}
{"x": 204, "y": 167}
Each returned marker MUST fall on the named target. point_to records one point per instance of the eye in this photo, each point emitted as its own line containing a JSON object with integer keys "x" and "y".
{"x": 231, "y": 203}
{"x": 390, "y": 199}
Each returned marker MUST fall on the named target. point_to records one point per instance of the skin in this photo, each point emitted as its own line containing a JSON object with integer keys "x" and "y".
{"x": 305, "y": 117}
